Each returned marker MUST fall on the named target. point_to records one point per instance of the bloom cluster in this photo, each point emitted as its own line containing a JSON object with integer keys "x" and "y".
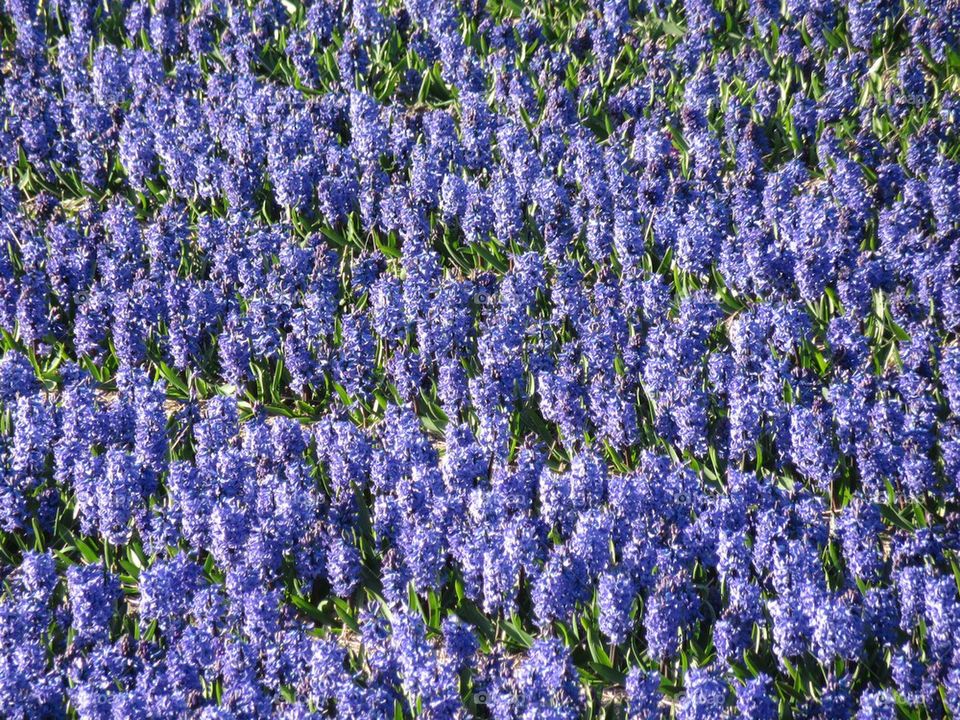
{"x": 437, "y": 359}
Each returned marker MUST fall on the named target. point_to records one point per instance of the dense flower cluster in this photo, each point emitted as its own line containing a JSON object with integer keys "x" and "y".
{"x": 429, "y": 359}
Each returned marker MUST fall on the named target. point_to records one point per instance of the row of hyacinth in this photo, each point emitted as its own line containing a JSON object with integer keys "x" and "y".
{"x": 448, "y": 359}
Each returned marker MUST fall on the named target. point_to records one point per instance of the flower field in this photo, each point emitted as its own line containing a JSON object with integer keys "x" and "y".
{"x": 433, "y": 359}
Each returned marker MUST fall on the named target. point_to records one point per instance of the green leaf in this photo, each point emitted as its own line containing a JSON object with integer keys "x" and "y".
{"x": 89, "y": 553}
{"x": 343, "y": 610}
